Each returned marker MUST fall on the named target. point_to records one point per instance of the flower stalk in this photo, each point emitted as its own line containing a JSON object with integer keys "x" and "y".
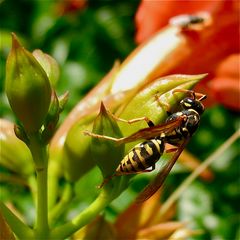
{"x": 39, "y": 154}
{"x": 82, "y": 218}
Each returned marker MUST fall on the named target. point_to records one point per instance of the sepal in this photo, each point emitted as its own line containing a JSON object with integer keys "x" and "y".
{"x": 49, "y": 64}
{"x": 107, "y": 154}
{"x": 21, "y": 134}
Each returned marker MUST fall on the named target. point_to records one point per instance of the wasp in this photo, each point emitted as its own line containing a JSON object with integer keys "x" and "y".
{"x": 176, "y": 131}
{"x": 186, "y": 21}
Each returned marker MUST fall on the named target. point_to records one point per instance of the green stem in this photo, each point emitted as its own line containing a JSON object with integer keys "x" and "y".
{"x": 21, "y": 230}
{"x": 53, "y": 178}
{"x": 62, "y": 204}
{"x": 82, "y": 219}
{"x": 42, "y": 211}
{"x": 177, "y": 193}
{"x": 39, "y": 153}
{"x": 33, "y": 187}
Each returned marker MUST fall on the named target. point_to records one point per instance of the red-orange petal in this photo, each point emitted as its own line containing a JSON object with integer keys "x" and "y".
{"x": 227, "y": 91}
{"x": 153, "y": 15}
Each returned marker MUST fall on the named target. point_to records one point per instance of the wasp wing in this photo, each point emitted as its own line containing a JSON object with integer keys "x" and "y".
{"x": 152, "y": 132}
{"x": 161, "y": 176}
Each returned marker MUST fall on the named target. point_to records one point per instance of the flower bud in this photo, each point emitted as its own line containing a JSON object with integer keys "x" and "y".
{"x": 14, "y": 154}
{"x": 77, "y": 159}
{"x": 49, "y": 65}
{"x": 107, "y": 154}
{"x": 154, "y": 100}
{"x": 27, "y": 87}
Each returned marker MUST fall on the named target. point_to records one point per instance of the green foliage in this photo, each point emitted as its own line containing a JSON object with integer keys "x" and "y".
{"x": 86, "y": 44}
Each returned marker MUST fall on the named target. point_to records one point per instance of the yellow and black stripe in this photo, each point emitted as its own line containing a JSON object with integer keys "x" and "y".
{"x": 141, "y": 157}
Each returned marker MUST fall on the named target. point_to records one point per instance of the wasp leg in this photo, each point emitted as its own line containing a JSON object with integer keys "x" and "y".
{"x": 149, "y": 122}
{"x": 163, "y": 105}
{"x": 105, "y": 181}
{"x": 146, "y": 119}
{"x": 88, "y": 133}
{"x": 171, "y": 150}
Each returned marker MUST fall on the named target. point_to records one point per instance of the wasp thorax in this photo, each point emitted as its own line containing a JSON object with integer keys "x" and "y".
{"x": 190, "y": 103}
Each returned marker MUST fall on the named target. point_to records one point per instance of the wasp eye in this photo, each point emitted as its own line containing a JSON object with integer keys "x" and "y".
{"x": 187, "y": 103}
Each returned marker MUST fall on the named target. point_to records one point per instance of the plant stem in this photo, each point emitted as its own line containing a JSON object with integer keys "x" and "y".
{"x": 53, "y": 178}
{"x": 39, "y": 153}
{"x": 21, "y": 230}
{"x": 82, "y": 219}
{"x": 62, "y": 205}
{"x": 170, "y": 201}
{"x": 42, "y": 212}
{"x": 33, "y": 187}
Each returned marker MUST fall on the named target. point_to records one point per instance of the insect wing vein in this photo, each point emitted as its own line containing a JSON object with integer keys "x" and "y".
{"x": 161, "y": 176}
{"x": 151, "y": 132}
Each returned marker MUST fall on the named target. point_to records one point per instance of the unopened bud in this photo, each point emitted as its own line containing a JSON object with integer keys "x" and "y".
{"x": 27, "y": 87}
{"x": 77, "y": 158}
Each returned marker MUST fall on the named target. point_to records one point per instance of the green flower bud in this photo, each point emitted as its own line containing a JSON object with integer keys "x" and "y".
{"x": 27, "y": 87}
{"x": 77, "y": 158}
{"x": 152, "y": 101}
{"x": 14, "y": 154}
{"x": 107, "y": 154}
{"x": 49, "y": 65}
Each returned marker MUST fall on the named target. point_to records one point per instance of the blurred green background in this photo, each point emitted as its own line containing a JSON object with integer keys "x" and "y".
{"x": 85, "y": 43}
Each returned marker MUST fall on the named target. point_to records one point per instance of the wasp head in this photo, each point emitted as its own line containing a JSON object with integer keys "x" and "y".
{"x": 190, "y": 103}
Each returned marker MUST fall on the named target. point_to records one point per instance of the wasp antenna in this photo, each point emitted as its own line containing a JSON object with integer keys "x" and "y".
{"x": 202, "y": 97}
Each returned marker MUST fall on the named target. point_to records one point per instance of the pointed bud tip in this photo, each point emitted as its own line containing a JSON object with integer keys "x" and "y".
{"x": 102, "y": 108}
{"x": 15, "y": 42}
{"x": 201, "y": 76}
{"x": 63, "y": 99}
{"x": 66, "y": 94}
